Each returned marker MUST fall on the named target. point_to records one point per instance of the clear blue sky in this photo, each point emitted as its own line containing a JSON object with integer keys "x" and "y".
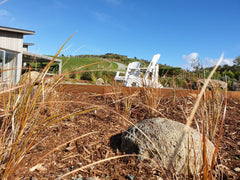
{"x": 177, "y": 29}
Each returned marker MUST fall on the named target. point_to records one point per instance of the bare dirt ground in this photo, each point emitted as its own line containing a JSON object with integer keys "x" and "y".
{"x": 104, "y": 123}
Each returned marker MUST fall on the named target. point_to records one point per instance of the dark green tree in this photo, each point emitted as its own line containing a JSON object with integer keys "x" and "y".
{"x": 236, "y": 62}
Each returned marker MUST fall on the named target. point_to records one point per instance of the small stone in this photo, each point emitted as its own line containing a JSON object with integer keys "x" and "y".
{"x": 34, "y": 178}
{"x": 72, "y": 168}
{"x": 129, "y": 176}
{"x": 92, "y": 178}
{"x": 237, "y": 169}
{"x": 70, "y": 148}
{"x": 100, "y": 81}
{"x": 80, "y": 178}
{"x": 38, "y": 167}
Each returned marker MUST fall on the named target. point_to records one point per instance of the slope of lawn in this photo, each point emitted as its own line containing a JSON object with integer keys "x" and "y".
{"x": 72, "y": 63}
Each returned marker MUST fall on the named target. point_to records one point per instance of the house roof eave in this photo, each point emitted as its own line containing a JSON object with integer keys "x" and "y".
{"x": 21, "y": 31}
{"x": 41, "y": 56}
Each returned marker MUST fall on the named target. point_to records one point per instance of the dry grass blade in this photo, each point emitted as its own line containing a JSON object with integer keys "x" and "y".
{"x": 191, "y": 117}
{"x": 11, "y": 89}
{"x": 3, "y": 2}
{"x": 98, "y": 162}
{"x": 204, "y": 154}
{"x": 56, "y": 55}
{"x": 21, "y": 123}
{"x": 189, "y": 120}
{"x": 151, "y": 97}
{"x": 58, "y": 147}
{"x": 219, "y": 138}
{"x": 70, "y": 115}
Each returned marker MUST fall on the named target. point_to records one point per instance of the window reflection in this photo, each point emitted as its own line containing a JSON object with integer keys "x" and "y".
{"x": 8, "y": 62}
{"x": 1, "y": 65}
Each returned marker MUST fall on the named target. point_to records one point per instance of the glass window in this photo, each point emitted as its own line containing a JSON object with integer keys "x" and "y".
{"x": 10, "y": 66}
{"x": 1, "y": 64}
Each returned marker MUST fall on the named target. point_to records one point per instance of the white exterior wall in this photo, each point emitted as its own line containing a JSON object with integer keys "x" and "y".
{"x": 11, "y": 41}
{"x": 19, "y": 67}
{"x": 25, "y": 48}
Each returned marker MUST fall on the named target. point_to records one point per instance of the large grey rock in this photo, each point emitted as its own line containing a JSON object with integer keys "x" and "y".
{"x": 33, "y": 76}
{"x": 213, "y": 84}
{"x": 168, "y": 144}
{"x": 30, "y": 77}
{"x": 236, "y": 86}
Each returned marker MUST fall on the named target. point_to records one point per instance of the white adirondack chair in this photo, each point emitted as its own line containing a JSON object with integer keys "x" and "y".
{"x": 132, "y": 76}
{"x": 151, "y": 75}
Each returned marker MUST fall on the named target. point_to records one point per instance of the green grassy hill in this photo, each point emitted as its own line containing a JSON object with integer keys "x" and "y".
{"x": 72, "y": 63}
{"x": 86, "y": 59}
{"x": 83, "y": 67}
{"x": 88, "y": 67}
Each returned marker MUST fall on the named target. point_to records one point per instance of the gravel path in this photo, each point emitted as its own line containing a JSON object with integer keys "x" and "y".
{"x": 121, "y": 66}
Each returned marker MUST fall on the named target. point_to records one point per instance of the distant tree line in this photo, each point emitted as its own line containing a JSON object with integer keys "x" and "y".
{"x": 231, "y": 74}
{"x": 176, "y": 76}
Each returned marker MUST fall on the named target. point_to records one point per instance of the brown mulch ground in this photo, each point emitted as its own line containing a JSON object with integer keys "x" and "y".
{"x": 105, "y": 123}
